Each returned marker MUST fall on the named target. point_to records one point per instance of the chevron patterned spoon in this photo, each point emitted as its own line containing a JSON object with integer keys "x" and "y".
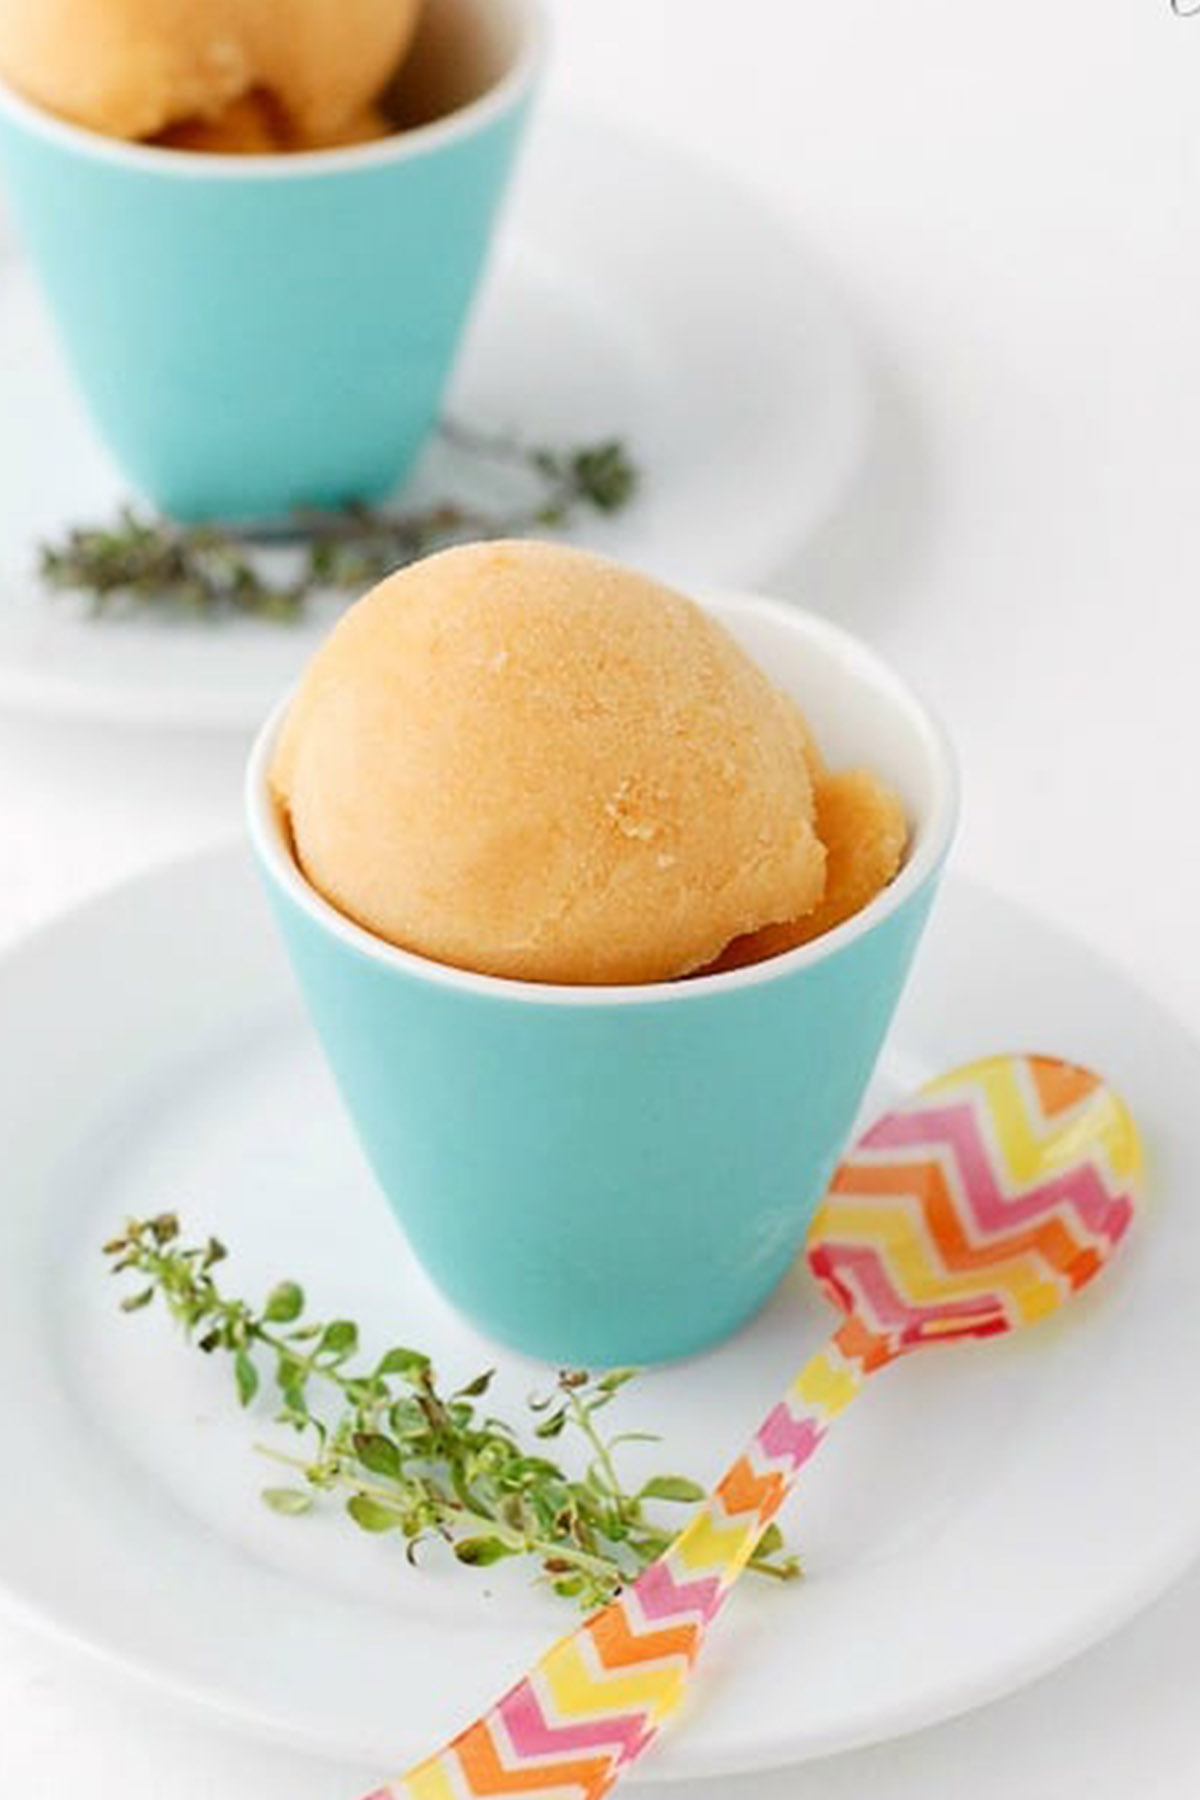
{"x": 978, "y": 1207}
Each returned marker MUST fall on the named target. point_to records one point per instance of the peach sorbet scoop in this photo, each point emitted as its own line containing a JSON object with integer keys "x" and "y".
{"x": 529, "y": 761}
{"x": 133, "y": 68}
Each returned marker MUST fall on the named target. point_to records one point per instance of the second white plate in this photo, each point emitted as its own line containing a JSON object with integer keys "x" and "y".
{"x": 634, "y": 294}
{"x": 983, "y": 1516}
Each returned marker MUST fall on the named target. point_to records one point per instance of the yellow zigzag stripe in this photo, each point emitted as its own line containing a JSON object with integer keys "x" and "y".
{"x": 918, "y": 1279}
{"x": 1026, "y": 1154}
{"x": 826, "y": 1384}
{"x": 430, "y": 1783}
{"x": 706, "y": 1546}
{"x": 577, "y": 1694}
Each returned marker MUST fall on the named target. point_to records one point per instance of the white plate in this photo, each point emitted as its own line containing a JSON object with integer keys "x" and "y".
{"x": 634, "y": 293}
{"x": 986, "y": 1514}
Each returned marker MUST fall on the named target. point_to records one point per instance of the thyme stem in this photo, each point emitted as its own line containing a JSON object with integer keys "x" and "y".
{"x": 137, "y": 564}
{"x": 413, "y": 1458}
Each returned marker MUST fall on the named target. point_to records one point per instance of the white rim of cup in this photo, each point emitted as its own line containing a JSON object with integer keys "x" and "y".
{"x": 403, "y": 146}
{"x": 933, "y": 836}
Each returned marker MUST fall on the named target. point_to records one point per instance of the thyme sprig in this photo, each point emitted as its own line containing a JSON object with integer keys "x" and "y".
{"x": 409, "y": 1457}
{"x": 140, "y": 562}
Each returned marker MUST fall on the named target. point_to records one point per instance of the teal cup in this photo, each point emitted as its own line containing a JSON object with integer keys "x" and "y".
{"x": 257, "y": 334}
{"x": 601, "y": 1176}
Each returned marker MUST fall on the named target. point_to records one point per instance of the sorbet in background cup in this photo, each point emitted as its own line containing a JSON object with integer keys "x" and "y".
{"x": 605, "y": 1175}
{"x": 256, "y": 334}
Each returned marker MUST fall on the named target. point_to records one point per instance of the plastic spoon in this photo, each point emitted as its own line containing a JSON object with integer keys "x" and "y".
{"x": 978, "y": 1207}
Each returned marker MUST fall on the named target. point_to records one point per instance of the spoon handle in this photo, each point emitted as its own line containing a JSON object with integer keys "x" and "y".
{"x": 585, "y": 1712}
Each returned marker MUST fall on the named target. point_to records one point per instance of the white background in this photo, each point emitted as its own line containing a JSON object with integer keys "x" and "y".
{"x": 1007, "y": 199}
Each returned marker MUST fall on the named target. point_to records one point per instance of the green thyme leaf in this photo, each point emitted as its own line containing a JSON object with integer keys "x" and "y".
{"x": 616, "y": 1378}
{"x": 285, "y": 1303}
{"x": 670, "y": 1487}
{"x": 480, "y": 1551}
{"x": 340, "y": 1338}
{"x": 289, "y": 1501}
{"x": 246, "y": 1376}
{"x": 371, "y": 1515}
{"x": 474, "y": 1389}
{"x": 403, "y": 1362}
{"x": 378, "y": 1454}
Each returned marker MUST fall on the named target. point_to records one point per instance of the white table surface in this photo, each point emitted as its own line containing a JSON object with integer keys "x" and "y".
{"x": 1007, "y": 198}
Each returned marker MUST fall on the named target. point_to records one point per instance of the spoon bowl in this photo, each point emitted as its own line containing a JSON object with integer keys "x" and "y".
{"x": 980, "y": 1205}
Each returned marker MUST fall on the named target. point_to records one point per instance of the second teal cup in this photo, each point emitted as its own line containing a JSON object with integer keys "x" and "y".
{"x": 257, "y": 334}
{"x": 601, "y": 1176}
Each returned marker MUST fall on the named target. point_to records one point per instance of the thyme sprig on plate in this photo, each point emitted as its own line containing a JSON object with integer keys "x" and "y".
{"x": 274, "y": 570}
{"x": 411, "y": 1458}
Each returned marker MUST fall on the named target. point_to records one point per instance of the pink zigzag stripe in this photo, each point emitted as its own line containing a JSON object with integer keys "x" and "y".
{"x": 662, "y": 1597}
{"x": 1120, "y": 1217}
{"x": 889, "y": 1308}
{"x": 957, "y": 1128}
{"x": 782, "y": 1435}
{"x": 533, "y": 1735}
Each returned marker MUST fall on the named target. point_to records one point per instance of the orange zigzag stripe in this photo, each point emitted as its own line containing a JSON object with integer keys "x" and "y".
{"x": 1059, "y": 1085}
{"x": 743, "y": 1491}
{"x": 487, "y": 1774}
{"x": 858, "y": 1343}
{"x": 927, "y": 1180}
{"x": 619, "y": 1647}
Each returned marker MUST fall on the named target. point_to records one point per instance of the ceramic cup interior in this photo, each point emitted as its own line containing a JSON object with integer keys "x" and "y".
{"x": 613, "y": 1174}
{"x": 461, "y": 54}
